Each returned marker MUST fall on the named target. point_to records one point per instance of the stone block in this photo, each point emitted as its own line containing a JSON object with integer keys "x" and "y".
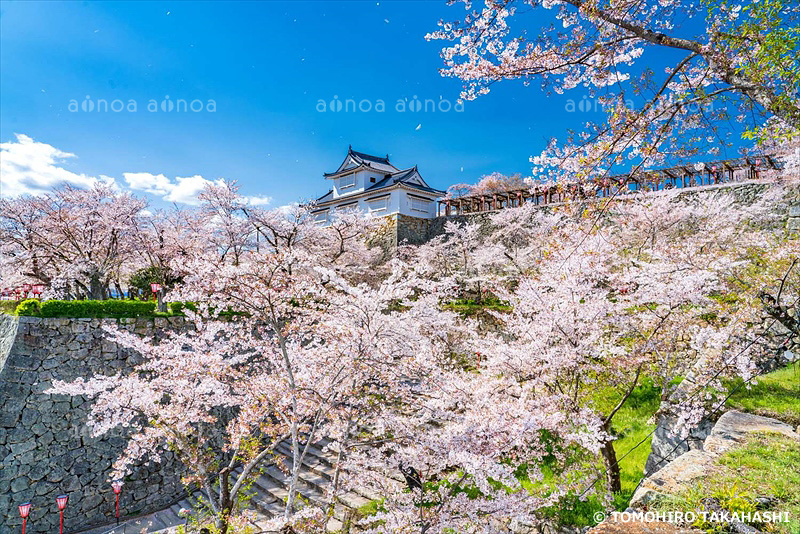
{"x": 18, "y": 449}
{"x": 19, "y": 484}
{"x": 29, "y": 417}
{"x": 18, "y": 434}
{"x": 56, "y": 473}
{"x": 45, "y": 446}
{"x": 9, "y": 472}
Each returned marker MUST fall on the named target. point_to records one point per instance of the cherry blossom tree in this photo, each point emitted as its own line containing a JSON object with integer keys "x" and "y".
{"x": 732, "y": 60}
{"x": 283, "y": 347}
{"x": 301, "y": 333}
{"x": 491, "y": 183}
{"x": 164, "y": 242}
{"x": 606, "y": 297}
{"x": 76, "y": 241}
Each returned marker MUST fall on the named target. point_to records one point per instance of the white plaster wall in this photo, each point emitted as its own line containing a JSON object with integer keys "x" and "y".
{"x": 405, "y": 207}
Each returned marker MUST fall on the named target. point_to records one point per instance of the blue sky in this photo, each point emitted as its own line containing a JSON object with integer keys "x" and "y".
{"x": 266, "y": 66}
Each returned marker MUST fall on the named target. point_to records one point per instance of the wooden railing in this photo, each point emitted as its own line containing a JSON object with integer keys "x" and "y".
{"x": 679, "y": 177}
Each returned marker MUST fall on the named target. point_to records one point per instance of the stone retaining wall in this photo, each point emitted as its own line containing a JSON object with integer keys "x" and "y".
{"x": 45, "y": 446}
{"x": 417, "y": 231}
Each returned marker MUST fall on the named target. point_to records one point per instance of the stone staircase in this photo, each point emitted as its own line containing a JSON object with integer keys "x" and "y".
{"x": 269, "y": 490}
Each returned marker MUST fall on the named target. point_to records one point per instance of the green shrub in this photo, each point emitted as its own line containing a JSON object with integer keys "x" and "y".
{"x": 87, "y": 308}
{"x": 177, "y": 308}
{"x": 28, "y": 307}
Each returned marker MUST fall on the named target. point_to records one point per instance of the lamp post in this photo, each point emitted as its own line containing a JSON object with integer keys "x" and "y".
{"x": 24, "y": 511}
{"x": 117, "y": 487}
{"x": 61, "y": 501}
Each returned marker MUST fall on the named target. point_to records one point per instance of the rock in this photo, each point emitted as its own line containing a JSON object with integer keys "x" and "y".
{"x": 673, "y": 477}
{"x": 667, "y": 444}
{"x": 21, "y": 483}
{"x": 18, "y": 449}
{"x": 609, "y": 526}
{"x": 765, "y": 502}
{"x": 731, "y": 430}
{"x": 735, "y": 427}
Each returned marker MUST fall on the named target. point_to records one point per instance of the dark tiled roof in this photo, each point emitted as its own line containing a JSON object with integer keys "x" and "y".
{"x": 327, "y": 196}
{"x": 378, "y": 163}
{"x": 363, "y": 156}
{"x": 392, "y": 175}
{"x": 401, "y": 177}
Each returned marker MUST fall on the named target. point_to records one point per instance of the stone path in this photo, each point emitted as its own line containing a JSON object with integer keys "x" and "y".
{"x": 270, "y": 492}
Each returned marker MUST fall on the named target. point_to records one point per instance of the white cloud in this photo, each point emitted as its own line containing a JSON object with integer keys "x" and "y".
{"x": 186, "y": 189}
{"x": 183, "y": 190}
{"x": 30, "y": 167}
{"x": 259, "y": 201}
{"x": 288, "y": 209}
{"x": 156, "y": 184}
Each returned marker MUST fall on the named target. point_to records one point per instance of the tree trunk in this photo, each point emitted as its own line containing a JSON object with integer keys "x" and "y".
{"x": 292, "y": 490}
{"x": 225, "y": 503}
{"x": 334, "y": 487}
{"x": 161, "y": 305}
{"x": 613, "y": 484}
{"x": 96, "y": 289}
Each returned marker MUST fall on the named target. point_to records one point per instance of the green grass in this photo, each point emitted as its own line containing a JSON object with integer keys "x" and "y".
{"x": 776, "y": 395}
{"x": 768, "y": 465}
{"x": 370, "y": 508}
{"x": 469, "y": 307}
{"x": 632, "y": 424}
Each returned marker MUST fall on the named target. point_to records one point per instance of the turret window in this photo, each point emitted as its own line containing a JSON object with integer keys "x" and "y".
{"x": 419, "y": 204}
{"x": 380, "y": 204}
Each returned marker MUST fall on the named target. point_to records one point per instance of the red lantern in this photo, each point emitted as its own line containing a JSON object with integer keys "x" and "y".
{"x": 61, "y": 501}
{"x": 155, "y": 288}
{"x": 117, "y": 487}
{"x": 24, "y": 511}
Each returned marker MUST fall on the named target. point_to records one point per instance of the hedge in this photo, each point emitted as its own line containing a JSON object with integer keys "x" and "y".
{"x": 105, "y": 308}
{"x": 87, "y": 308}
